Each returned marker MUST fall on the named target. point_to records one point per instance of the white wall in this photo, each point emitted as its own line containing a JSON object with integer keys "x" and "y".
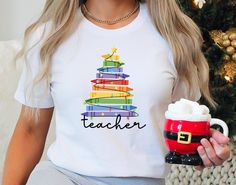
{"x": 15, "y": 15}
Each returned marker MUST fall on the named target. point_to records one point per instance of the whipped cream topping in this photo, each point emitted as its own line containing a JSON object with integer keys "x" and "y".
{"x": 187, "y": 110}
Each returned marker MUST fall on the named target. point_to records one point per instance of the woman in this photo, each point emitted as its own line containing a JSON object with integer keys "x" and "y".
{"x": 108, "y": 125}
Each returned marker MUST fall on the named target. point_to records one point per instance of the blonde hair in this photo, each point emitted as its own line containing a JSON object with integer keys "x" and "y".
{"x": 181, "y": 33}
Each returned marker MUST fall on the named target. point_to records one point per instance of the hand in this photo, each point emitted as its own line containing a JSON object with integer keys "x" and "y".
{"x": 215, "y": 152}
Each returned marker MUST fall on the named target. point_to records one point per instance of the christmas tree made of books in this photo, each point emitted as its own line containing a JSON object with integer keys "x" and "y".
{"x": 110, "y": 94}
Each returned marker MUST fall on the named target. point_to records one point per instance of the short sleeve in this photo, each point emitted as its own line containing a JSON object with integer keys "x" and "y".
{"x": 179, "y": 88}
{"x": 41, "y": 96}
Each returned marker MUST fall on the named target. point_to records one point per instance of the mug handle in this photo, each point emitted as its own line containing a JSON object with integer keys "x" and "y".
{"x": 216, "y": 121}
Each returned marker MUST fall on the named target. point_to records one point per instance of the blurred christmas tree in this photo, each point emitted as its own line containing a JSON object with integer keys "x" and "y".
{"x": 217, "y": 21}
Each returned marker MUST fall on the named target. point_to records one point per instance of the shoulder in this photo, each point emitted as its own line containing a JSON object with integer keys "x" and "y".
{"x": 32, "y": 46}
{"x": 36, "y": 38}
{"x": 151, "y": 29}
{"x": 158, "y": 41}
{"x": 39, "y": 34}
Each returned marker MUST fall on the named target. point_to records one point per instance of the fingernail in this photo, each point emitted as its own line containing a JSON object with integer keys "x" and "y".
{"x": 203, "y": 141}
{"x": 200, "y": 149}
{"x": 227, "y": 139}
{"x": 211, "y": 139}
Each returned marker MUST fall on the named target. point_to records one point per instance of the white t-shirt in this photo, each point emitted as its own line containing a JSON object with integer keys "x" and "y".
{"x": 109, "y": 109}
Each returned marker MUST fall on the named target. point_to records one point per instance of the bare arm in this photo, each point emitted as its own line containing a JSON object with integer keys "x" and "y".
{"x": 26, "y": 147}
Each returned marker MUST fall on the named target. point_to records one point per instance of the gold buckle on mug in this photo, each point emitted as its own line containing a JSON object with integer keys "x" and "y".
{"x": 184, "y": 137}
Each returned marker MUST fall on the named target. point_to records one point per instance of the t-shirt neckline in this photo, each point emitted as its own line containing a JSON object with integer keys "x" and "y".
{"x": 134, "y": 24}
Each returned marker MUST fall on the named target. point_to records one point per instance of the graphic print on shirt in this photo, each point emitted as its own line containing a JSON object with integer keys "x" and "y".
{"x": 111, "y": 96}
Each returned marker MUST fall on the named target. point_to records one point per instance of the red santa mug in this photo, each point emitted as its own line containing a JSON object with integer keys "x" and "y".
{"x": 186, "y": 124}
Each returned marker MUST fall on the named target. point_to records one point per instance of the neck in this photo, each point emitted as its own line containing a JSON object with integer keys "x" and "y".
{"x": 110, "y": 9}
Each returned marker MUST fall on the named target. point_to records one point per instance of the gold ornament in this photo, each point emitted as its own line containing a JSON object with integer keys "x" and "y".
{"x": 232, "y": 36}
{"x": 230, "y": 69}
{"x": 233, "y": 43}
{"x": 225, "y": 37}
{"x": 226, "y": 43}
{"x": 230, "y": 50}
{"x": 217, "y": 35}
{"x": 227, "y": 58}
{"x": 234, "y": 57}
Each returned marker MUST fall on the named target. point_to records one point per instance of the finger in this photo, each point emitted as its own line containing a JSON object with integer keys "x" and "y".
{"x": 199, "y": 167}
{"x": 223, "y": 152}
{"x": 210, "y": 151}
{"x": 219, "y": 137}
{"x": 206, "y": 161}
